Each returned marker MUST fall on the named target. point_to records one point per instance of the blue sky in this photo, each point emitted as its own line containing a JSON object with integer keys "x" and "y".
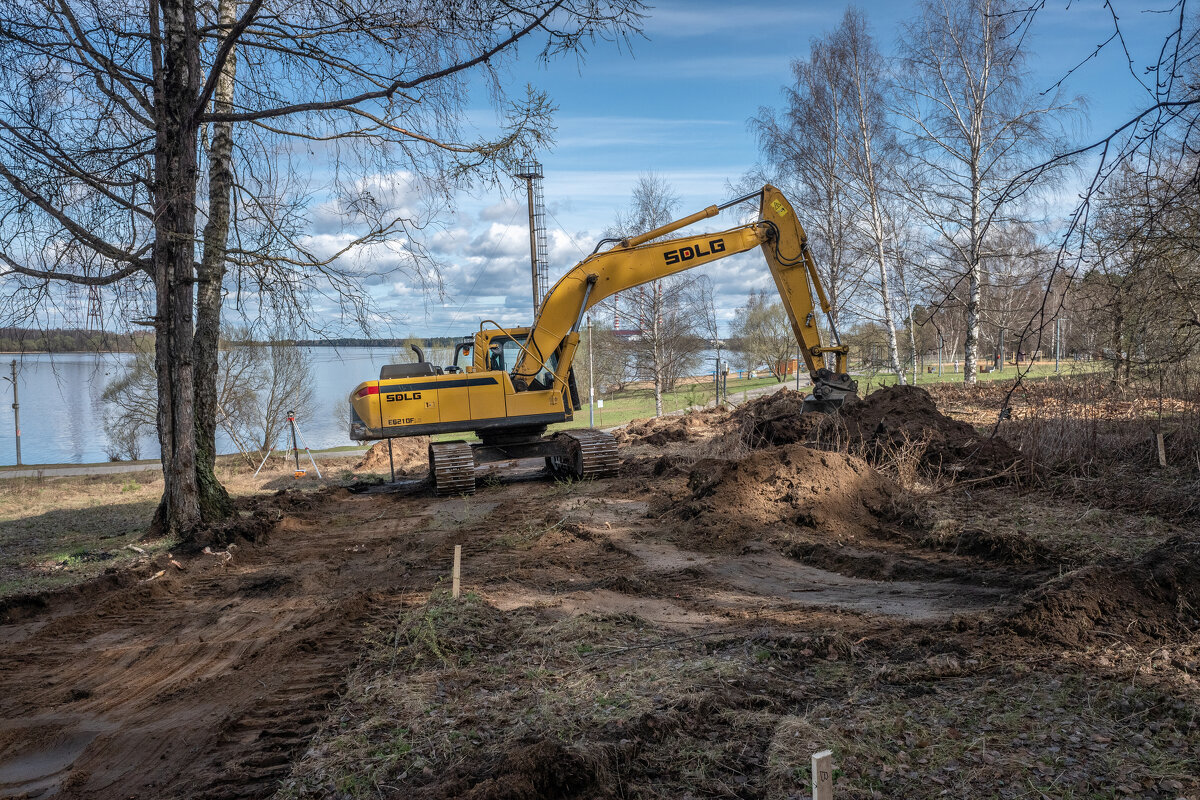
{"x": 677, "y": 103}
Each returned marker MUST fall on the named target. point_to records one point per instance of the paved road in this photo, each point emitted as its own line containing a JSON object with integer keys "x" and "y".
{"x": 56, "y": 471}
{"x": 36, "y": 471}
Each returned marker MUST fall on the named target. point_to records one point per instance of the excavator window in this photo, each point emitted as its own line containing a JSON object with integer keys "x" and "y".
{"x": 504, "y": 351}
{"x": 545, "y": 378}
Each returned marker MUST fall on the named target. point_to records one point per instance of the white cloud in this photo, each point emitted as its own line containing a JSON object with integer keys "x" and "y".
{"x": 502, "y": 211}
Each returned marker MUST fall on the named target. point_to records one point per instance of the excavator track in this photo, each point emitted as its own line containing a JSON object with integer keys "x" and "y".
{"x": 587, "y": 454}
{"x": 452, "y": 465}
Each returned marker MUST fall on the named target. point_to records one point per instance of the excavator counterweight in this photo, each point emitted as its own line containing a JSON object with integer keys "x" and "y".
{"x": 507, "y": 385}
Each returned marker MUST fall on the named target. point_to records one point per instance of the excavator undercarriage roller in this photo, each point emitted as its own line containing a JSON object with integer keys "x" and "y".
{"x": 452, "y": 465}
{"x": 585, "y": 454}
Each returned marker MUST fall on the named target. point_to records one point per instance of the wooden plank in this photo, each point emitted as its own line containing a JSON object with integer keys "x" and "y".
{"x": 1162, "y": 450}
{"x": 822, "y": 775}
{"x": 456, "y": 574}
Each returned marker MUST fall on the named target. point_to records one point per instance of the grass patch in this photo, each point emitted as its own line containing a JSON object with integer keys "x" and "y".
{"x": 59, "y": 531}
{"x": 638, "y": 402}
{"x": 447, "y": 693}
{"x": 869, "y": 381}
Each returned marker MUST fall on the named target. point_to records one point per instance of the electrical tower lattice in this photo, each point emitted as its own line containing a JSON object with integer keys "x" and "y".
{"x": 95, "y": 312}
{"x": 531, "y": 172}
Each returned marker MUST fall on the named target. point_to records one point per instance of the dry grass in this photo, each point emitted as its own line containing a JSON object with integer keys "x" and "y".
{"x": 445, "y": 696}
{"x": 1075, "y": 530}
{"x": 56, "y": 531}
{"x": 60, "y": 531}
{"x": 1096, "y": 442}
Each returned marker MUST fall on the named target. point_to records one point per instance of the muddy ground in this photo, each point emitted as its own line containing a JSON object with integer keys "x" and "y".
{"x": 697, "y": 627}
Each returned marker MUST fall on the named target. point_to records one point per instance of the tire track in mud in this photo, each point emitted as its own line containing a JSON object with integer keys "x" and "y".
{"x": 206, "y": 683}
{"x": 210, "y": 683}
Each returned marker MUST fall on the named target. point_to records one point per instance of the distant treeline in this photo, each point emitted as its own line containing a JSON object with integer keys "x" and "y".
{"x": 69, "y": 340}
{"x": 436, "y": 341}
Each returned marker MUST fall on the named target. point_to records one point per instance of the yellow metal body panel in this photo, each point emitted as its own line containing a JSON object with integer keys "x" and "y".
{"x": 454, "y": 404}
{"x": 521, "y": 404}
{"x": 487, "y": 400}
{"x": 401, "y": 403}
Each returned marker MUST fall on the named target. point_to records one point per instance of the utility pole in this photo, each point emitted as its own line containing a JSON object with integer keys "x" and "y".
{"x": 16, "y": 405}
{"x": 591, "y": 378}
{"x": 717, "y": 374}
{"x": 1057, "y": 341}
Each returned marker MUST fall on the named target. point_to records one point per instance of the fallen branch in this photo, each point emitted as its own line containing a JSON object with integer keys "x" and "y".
{"x": 973, "y": 481}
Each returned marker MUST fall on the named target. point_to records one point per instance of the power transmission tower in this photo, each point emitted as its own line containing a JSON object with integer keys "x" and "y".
{"x": 531, "y": 172}
{"x": 95, "y": 311}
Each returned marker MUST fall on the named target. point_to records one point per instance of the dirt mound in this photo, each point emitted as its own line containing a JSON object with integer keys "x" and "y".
{"x": 411, "y": 454}
{"x": 896, "y": 418}
{"x": 777, "y": 418}
{"x": 1155, "y": 597}
{"x": 1009, "y": 548}
{"x": 834, "y": 493}
{"x": 658, "y": 431}
{"x": 889, "y": 424}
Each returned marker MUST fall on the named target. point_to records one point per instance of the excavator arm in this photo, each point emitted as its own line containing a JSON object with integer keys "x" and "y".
{"x": 647, "y": 257}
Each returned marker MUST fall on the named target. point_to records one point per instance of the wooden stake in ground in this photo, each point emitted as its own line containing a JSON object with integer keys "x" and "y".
{"x": 456, "y": 573}
{"x": 822, "y": 775}
{"x": 1162, "y": 450}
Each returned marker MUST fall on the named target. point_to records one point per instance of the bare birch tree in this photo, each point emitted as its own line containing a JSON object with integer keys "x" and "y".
{"x": 765, "y": 334}
{"x": 802, "y": 144}
{"x": 971, "y": 129}
{"x": 670, "y": 332}
{"x": 869, "y": 157}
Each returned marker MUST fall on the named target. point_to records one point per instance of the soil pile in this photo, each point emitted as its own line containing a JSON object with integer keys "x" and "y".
{"x": 411, "y": 455}
{"x": 777, "y": 418}
{"x": 658, "y": 431}
{"x": 896, "y": 419}
{"x": 831, "y": 492}
{"x": 1154, "y": 597}
{"x": 888, "y": 424}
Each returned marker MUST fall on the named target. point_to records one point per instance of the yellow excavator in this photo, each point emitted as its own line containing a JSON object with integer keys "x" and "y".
{"x": 507, "y": 384}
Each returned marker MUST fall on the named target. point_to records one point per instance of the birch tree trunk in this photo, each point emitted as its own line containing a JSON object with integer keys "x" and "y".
{"x": 974, "y": 288}
{"x": 176, "y": 168}
{"x": 902, "y": 276}
{"x": 865, "y": 74}
{"x": 213, "y": 499}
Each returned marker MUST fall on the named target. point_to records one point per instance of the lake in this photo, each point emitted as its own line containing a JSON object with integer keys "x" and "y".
{"x": 62, "y": 413}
